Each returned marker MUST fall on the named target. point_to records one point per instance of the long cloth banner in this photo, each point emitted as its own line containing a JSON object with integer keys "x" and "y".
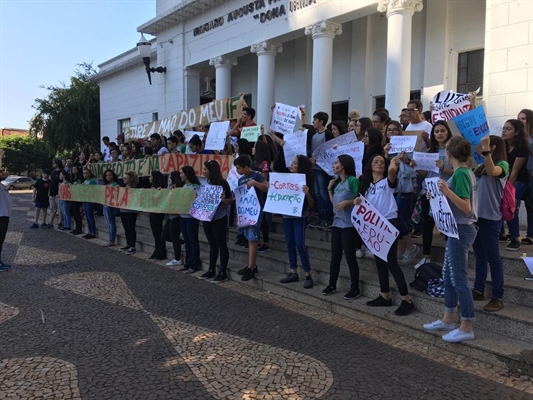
{"x": 217, "y": 110}
{"x": 164, "y": 201}
{"x": 166, "y": 164}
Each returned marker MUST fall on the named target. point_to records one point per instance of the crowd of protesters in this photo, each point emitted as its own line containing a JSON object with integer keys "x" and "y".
{"x": 388, "y": 181}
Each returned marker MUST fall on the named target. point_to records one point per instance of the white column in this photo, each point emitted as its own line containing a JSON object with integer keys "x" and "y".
{"x": 399, "y": 32}
{"x": 191, "y": 87}
{"x": 223, "y": 75}
{"x": 266, "y": 71}
{"x": 323, "y": 34}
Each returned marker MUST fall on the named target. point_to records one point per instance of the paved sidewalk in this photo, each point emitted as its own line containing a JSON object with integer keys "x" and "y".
{"x": 78, "y": 321}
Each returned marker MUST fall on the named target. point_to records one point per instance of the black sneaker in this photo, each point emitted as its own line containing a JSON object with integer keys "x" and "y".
{"x": 514, "y": 245}
{"x": 248, "y": 274}
{"x": 323, "y": 225}
{"x": 416, "y": 234}
{"x": 242, "y": 271}
{"x": 503, "y": 238}
{"x": 405, "y": 308}
{"x": 89, "y": 236}
{"x": 352, "y": 294}
{"x": 207, "y": 275}
{"x": 125, "y": 247}
{"x": 328, "y": 290}
{"x": 290, "y": 278}
{"x": 379, "y": 302}
{"x": 77, "y": 232}
{"x": 477, "y": 296}
{"x": 308, "y": 283}
{"x": 316, "y": 223}
{"x": 245, "y": 244}
{"x": 220, "y": 278}
{"x": 263, "y": 248}
{"x": 239, "y": 241}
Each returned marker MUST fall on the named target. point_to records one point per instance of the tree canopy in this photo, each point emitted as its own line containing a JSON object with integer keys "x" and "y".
{"x": 68, "y": 118}
{"x": 25, "y": 154}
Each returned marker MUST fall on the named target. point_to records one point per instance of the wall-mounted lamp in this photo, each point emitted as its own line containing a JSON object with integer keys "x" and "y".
{"x": 145, "y": 48}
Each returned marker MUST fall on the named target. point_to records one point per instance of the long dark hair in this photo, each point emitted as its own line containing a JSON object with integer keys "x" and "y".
{"x": 271, "y": 145}
{"x": 529, "y": 121}
{"x": 115, "y": 177}
{"x": 190, "y": 175}
{"x": 366, "y": 179}
{"x": 244, "y": 147}
{"x": 158, "y": 180}
{"x": 348, "y": 164}
{"x": 262, "y": 153}
{"x": 341, "y": 127}
{"x": 78, "y": 175}
{"x": 499, "y": 153}
{"x": 434, "y": 147}
{"x": 521, "y": 141}
{"x": 215, "y": 175}
{"x": 375, "y": 138}
{"x": 175, "y": 179}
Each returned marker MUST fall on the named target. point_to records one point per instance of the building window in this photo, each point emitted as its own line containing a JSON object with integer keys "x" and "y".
{"x": 155, "y": 116}
{"x": 339, "y": 111}
{"x": 470, "y": 71}
{"x": 380, "y": 100}
{"x": 123, "y": 125}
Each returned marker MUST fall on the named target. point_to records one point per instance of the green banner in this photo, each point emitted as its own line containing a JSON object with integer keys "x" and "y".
{"x": 164, "y": 201}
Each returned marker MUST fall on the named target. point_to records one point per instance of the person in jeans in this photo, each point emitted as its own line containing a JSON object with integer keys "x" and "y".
{"x": 174, "y": 229}
{"x": 461, "y": 192}
{"x": 129, "y": 217}
{"x": 189, "y": 226}
{"x": 315, "y": 138}
{"x": 110, "y": 179}
{"x": 294, "y": 227}
{"x": 216, "y": 230}
{"x": 6, "y": 205}
{"x": 342, "y": 192}
{"x": 378, "y": 183}
{"x": 493, "y": 174}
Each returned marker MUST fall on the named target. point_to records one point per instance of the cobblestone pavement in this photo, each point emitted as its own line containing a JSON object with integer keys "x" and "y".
{"x": 78, "y": 321}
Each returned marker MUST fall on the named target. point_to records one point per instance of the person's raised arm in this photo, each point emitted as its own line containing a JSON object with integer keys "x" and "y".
{"x": 490, "y": 168}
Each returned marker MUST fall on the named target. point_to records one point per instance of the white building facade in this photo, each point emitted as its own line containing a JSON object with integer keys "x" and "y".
{"x": 331, "y": 55}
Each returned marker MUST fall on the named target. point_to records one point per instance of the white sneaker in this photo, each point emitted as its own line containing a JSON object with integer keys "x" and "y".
{"x": 409, "y": 255}
{"x": 457, "y": 336}
{"x": 438, "y": 325}
{"x": 422, "y": 262}
{"x": 174, "y": 262}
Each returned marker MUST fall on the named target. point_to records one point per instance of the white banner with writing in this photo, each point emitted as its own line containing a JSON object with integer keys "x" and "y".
{"x": 284, "y": 118}
{"x": 216, "y": 138}
{"x": 356, "y": 150}
{"x": 206, "y": 203}
{"x": 251, "y": 133}
{"x": 295, "y": 144}
{"x": 233, "y": 178}
{"x": 440, "y": 210}
{"x": 327, "y": 151}
{"x": 402, "y": 143}
{"x": 448, "y": 104}
{"x": 285, "y": 194}
{"x": 248, "y": 206}
{"x": 426, "y": 161}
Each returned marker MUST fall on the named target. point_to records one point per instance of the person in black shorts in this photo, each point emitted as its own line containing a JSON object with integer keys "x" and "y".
{"x": 41, "y": 190}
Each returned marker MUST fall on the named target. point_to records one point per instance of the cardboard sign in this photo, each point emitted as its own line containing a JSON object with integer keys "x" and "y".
{"x": 216, "y": 138}
{"x": 284, "y": 118}
{"x": 440, "y": 209}
{"x": 295, "y": 144}
{"x": 285, "y": 194}
{"x": 166, "y": 164}
{"x": 248, "y": 206}
{"x": 426, "y": 161}
{"x": 233, "y": 178}
{"x": 448, "y": 104}
{"x": 356, "y": 150}
{"x": 473, "y": 126}
{"x": 217, "y": 110}
{"x": 326, "y": 151}
{"x": 402, "y": 143}
{"x": 377, "y": 232}
{"x": 251, "y": 133}
{"x": 206, "y": 203}
{"x": 164, "y": 201}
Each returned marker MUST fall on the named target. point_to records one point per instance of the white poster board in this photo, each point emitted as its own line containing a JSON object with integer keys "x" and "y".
{"x": 377, "y": 232}
{"x": 295, "y": 144}
{"x": 426, "y": 161}
{"x": 356, "y": 150}
{"x": 233, "y": 178}
{"x": 248, "y": 206}
{"x": 440, "y": 210}
{"x": 284, "y": 118}
{"x": 402, "y": 143}
{"x": 448, "y": 104}
{"x": 326, "y": 151}
{"x": 285, "y": 194}
{"x": 216, "y": 138}
{"x": 206, "y": 203}
{"x": 189, "y": 134}
{"x": 251, "y": 133}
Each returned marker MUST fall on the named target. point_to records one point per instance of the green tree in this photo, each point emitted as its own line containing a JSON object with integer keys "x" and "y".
{"x": 25, "y": 154}
{"x": 68, "y": 118}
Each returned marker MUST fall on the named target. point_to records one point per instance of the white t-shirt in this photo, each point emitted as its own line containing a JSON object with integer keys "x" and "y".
{"x": 421, "y": 126}
{"x": 381, "y": 196}
{"x": 107, "y": 154}
{"x": 162, "y": 150}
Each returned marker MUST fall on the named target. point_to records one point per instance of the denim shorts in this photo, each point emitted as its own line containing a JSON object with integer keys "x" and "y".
{"x": 253, "y": 232}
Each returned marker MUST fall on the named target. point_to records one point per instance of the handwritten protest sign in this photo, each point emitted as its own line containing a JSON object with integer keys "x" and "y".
{"x": 285, "y": 194}
{"x": 448, "y": 104}
{"x": 402, "y": 143}
{"x": 248, "y": 206}
{"x": 377, "y": 232}
{"x": 426, "y": 161}
{"x": 326, "y": 151}
{"x": 284, "y": 118}
{"x": 251, "y": 133}
{"x": 233, "y": 178}
{"x": 189, "y": 134}
{"x": 164, "y": 201}
{"x": 166, "y": 164}
{"x": 473, "y": 126}
{"x": 216, "y": 138}
{"x": 440, "y": 210}
{"x": 217, "y": 110}
{"x": 356, "y": 150}
{"x": 295, "y": 144}
{"x": 206, "y": 203}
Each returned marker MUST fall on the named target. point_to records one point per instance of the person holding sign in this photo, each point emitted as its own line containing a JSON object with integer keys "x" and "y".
{"x": 342, "y": 192}
{"x": 461, "y": 191}
{"x": 492, "y": 175}
{"x": 294, "y": 227}
{"x": 378, "y": 183}
{"x": 157, "y": 181}
{"x": 189, "y": 226}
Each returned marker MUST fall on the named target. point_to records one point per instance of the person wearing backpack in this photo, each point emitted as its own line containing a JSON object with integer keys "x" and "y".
{"x": 493, "y": 175}
{"x": 461, "y": 193}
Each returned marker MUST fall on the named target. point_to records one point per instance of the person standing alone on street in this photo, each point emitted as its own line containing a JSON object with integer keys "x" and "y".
{"x": 5, "y": 211}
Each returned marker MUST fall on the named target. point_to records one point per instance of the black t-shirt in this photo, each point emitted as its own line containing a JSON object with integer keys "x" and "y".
{"x": 523, "y": 175}
{"x": 54, "y": 183}
{"x": 42, "y": 187}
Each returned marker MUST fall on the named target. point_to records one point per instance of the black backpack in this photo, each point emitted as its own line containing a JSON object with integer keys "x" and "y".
{"x": 424, "y": 274}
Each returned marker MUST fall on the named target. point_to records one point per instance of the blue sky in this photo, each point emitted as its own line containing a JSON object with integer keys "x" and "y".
{"x": 41, "y": 42}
